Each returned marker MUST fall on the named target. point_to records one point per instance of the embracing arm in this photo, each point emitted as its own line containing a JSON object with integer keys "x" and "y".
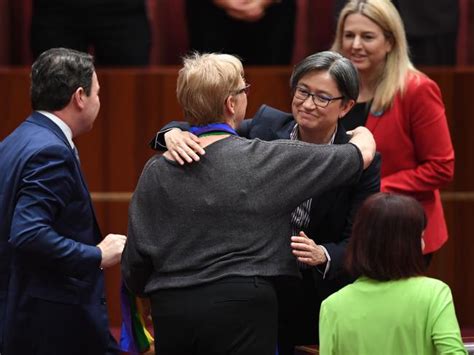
{"x": 432, "y": 145}
{"x": 184, "y": 146}
{"x": 181, "y": 144}
{"x": 158, "y": 142}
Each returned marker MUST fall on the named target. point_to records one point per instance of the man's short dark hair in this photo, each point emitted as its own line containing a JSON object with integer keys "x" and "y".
{"x": 56, "y": 75}
{"x": 386, "y": 238}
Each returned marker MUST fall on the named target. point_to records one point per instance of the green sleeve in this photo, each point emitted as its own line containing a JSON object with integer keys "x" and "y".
{"x": 327, "y": 332}
{"x": 445, "y": 329}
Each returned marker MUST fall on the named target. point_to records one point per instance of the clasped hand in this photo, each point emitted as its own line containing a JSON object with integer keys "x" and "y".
{"x": 307, "y": 251}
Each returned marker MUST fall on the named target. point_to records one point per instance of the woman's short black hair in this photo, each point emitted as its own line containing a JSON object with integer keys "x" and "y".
{"x": 340, "y": 68}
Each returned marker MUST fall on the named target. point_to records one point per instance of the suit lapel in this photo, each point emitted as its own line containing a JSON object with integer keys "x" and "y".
{"x": 284, "y": 132}
{"x": 43, "y": 121}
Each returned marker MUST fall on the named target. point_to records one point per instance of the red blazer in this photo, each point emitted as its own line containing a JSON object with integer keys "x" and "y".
{"x": 417, "y": 154}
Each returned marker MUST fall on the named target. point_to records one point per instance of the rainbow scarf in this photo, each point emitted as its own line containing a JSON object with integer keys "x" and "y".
{"x": 134, "y": 337}
{"x": 212, "y": 128}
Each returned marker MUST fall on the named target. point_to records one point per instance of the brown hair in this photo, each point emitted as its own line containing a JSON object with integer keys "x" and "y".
{"x": 386, "y": 238}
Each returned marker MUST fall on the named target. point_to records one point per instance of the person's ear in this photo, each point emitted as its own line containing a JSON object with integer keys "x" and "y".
{"x": 78, "y": 98}
{"x": 389, "y": 42}
{"x": 346, "y": 107}
{"x": 229, "y": 105}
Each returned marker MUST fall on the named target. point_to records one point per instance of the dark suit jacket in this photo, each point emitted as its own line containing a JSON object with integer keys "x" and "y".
{"x": 51, "y": 287}
{"x": 331, "y": 218}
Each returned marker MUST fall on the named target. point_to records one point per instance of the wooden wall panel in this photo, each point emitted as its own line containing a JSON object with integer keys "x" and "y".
{"x": 135, "y": 103}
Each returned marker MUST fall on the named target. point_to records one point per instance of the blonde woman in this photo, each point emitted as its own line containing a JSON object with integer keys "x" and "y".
{"x": 401, "y": 106}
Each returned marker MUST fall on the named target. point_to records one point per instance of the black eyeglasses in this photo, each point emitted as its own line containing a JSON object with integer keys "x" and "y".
{"x": 245, "y": 90}
{"x": 319, "y": 100}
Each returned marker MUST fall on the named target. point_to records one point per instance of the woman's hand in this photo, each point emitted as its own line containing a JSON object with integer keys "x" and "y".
{"x": 307, "y": 251}
{"x": 183, "y": 146}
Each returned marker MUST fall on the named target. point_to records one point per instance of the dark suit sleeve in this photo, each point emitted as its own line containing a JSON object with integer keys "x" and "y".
{"x": 368, "y": 184}
{"x": 158, "y": 141}
{"x": 47, "y": 187}
{"x": 245, "y": 128}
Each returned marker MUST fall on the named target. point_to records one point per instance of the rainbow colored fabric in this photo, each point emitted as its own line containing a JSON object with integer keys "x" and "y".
{"x": 134, "y": 338}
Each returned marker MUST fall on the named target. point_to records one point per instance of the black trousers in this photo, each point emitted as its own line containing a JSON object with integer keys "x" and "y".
{"x": 236, "y": 315}
{"x": 119, "y": 35}
{"x": 298, "y": 313}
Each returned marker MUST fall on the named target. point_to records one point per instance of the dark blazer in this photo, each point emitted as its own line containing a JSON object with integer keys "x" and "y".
{"x": 51, "y": 285}
{"x": 331, "y": 218}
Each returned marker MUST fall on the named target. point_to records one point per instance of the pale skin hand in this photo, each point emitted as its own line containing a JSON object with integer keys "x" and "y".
{"x": 183, "y": 146}
{"x": 307, "y": 251}
{"x": 111, "y": 247}
{"x": 364, "y": 140}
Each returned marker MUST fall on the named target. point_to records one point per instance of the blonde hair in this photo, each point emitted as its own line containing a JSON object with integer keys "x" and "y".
{"x": 204, "y": 83}
{"x": 398, "y": 65}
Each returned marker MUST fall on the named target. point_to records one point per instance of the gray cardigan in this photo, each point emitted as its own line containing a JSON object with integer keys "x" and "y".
{"x": 229, "y": 213}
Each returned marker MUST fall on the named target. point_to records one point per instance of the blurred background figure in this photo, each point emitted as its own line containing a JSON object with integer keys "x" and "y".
{"x": 401, "y": 106}
{"x": 260, "y": 32}
{"x": 117, "y": 31}
{"x": 431, "y": 27}
{"x": 432, "y": 30}
{"x": 391, "y": 308}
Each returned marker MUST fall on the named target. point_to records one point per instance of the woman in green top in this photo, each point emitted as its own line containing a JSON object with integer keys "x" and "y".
{"x": 391, "y": 308}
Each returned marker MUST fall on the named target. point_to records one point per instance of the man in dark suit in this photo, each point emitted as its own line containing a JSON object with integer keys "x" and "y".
{"x": 325, "y": 86}
{"x": 52, "y": 254}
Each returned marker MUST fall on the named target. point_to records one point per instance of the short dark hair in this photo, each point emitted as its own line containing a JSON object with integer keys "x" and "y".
{"x": 386, "y": 238}
{"x": 340, "y": 68}
{"x": 56, "y": 75}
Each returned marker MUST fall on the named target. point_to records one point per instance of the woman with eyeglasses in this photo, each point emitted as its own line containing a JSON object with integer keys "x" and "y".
{"x": 207, "y": 241}
{"x": 391, "y": 309}
{"x": 401, "y": 106}
{"x": 324, "y": 88}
